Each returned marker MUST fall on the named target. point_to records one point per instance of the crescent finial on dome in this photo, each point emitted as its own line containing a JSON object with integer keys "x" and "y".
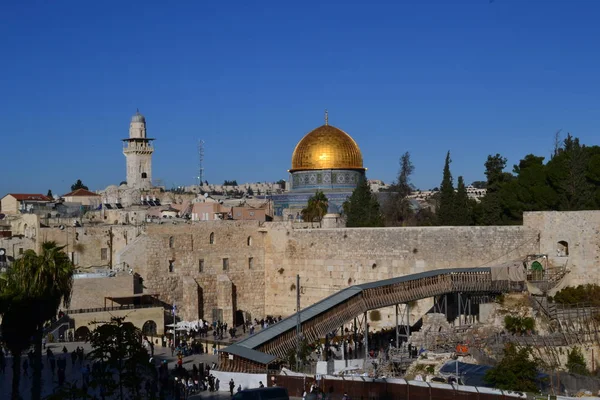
{"x": 326, "y": 117}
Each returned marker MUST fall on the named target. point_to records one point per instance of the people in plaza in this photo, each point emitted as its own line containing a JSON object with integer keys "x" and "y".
{"x": 231, "y": 386}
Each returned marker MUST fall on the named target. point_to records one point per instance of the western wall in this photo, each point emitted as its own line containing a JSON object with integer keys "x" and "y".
{"x": 252, "y": 267}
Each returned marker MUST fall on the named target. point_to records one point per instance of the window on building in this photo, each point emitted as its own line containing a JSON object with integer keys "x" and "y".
{"x": 171, "y": 266}
{"x": 211, "y": 238}
{"x": 201, "y": 266}
{"x": 250, "y": 262}
{"x": 144, "y": 175}
{"x": 562, "y": 249}
{"x": 104, "y": 254}
{"x": 20, "y": 250}
{"x": 225, "y": 264}
{"x": 171, "y": 241}
{"x": 249, "y": 241}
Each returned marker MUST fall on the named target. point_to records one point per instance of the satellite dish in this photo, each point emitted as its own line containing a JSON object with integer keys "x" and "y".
{"x": 205, "y": 196}
{"x": 61, "y": 227}
{"x": 2, "y": 252}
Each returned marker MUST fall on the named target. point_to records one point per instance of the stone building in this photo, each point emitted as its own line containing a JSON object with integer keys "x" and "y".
{"x": 138, "y": 151}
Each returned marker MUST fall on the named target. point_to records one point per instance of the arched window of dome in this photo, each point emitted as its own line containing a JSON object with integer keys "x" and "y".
{"x": 249, "y": 241}
{"x": 211, "y": 238}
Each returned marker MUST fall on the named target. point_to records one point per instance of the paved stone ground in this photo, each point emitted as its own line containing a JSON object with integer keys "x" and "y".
{"x": 73, "y": 373}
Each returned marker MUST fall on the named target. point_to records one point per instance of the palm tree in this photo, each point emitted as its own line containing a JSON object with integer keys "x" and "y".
{"x": 32, "y": 292}
{"x": 316, "y": 208}
{"x": 51, "y": 284}
{"x": 16, "y": 307}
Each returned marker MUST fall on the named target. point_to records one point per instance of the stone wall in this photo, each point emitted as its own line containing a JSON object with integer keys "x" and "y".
{"x": 580, "y": 230}
{"x": 87, "y": 242}
{"x": 90, "y": 292}
{"x": 329, "y": 260}
{"x": 168, "y": 256}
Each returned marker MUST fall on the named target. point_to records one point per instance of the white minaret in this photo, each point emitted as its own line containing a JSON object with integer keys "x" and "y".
{"x": 138, "y": 151}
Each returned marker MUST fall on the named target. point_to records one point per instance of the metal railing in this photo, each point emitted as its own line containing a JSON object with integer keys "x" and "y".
{"x": 117, "y": 308}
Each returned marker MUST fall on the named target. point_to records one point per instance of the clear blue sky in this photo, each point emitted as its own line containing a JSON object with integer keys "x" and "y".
{"x": 251, "y": 78}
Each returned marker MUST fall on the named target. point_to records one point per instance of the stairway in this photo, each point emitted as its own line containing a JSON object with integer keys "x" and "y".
{"x": 59, "y": 326}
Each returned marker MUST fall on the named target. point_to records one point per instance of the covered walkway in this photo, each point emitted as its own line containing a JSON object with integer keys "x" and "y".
{"x": 264, "y": 347}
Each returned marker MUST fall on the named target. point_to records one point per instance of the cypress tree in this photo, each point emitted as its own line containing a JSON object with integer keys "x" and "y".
{"x": 446, "y": 211}
{"x": 362, "y": 208}
{"x": 463, "y": 207}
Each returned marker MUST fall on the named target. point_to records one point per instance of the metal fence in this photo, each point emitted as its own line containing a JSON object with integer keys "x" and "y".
{"x": 367, "y": 389}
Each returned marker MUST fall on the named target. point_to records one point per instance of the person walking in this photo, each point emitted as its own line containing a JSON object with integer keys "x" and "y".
{"x": 231, "y": 386}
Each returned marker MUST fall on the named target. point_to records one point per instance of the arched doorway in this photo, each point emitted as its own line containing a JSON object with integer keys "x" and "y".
{"x": 82, "y": 333}
{"x": 149, "y": 328}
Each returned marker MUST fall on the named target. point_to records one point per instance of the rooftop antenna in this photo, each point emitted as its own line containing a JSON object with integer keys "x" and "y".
{"x": 200, "y": 162}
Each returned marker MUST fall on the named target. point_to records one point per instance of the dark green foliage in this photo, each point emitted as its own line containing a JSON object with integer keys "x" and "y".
{"x": 230, "y": 183}
{"x": 516, "y": 371}
{"x": 583, "y": 294}
{"x": 49, "y": 194}
{"x": 519, "y": 325}
{"x": 463, "y": 213}
{"x": 569, "y": 181}
{"x": 362, "y": 208}
{"x": 78, "y": 185}
{"x": 250, "y": 192}
{"x": 576, "y": 363}
{"x": 316, "y": 208}
{"x": 397, "y": 209}
{"x": 479, "y": 184}
{"x": 446, "y": 209}
{"x": 123, "y": 362}
{"x": 30, "y": 295}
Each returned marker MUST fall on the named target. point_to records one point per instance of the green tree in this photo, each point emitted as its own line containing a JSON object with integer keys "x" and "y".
{"x": 32, "y": 292}
{"x": 362, "y": 208}
{"x": 316, "y": 208}
{"x": 446, "y": 209}
{"x": 78, "y": 185}
{"x": 491, "y": 205}
{"x": 49, "y": 194}
{"x": 576, "y": 362}
{"x": 250, "y": 192}
{"x": 479, "y": 184}
{"x": 568, "y": 175}
{"x": 118, "y": 350}
{"x": 51, "y": 284}
{"x": 397, "y": 208}
{"x": 516, "y": 371}
{"x": 463, "y": 205}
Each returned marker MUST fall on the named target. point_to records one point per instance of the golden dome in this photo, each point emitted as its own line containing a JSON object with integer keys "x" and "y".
{"x": 326, "y": 147}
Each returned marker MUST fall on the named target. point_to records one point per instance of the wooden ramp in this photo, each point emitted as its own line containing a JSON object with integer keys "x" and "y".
{"x": 263, "y": 348}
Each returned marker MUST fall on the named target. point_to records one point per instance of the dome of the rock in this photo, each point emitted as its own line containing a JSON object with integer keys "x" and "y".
{"x": 326, "y": 147}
